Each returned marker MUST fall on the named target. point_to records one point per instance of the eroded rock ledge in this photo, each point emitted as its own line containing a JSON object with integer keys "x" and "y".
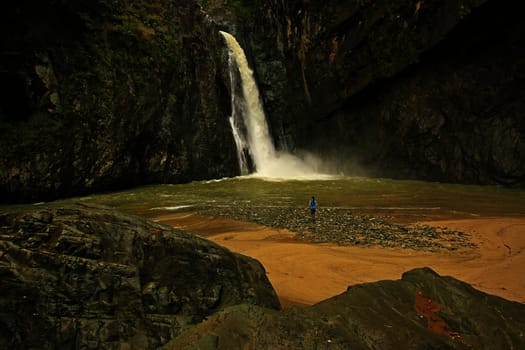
{"x": 421, "y": 311}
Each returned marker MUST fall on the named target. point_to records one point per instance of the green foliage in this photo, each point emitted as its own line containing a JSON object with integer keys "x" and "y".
{"x": 242, "y": 8}
{"x": 119, "y": 56}
{"x": 203, "y": 3}
{"x": 29, "y": 136}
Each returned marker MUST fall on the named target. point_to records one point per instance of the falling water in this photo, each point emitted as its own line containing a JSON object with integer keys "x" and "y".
{"x": 247, "y": 110}
{"x": 249, "y": 126}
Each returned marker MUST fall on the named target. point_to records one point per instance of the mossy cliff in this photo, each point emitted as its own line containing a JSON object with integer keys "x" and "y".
{"x": 117, "y": 93}
{"x": 107, "y": 94}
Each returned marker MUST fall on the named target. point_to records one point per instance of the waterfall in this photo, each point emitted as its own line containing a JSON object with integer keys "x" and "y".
{"x": 247, "y": 110}
{"x": 249, "y": 126}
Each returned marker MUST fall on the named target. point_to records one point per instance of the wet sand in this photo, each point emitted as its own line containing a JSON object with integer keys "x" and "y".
{"x": 305, "y": 273}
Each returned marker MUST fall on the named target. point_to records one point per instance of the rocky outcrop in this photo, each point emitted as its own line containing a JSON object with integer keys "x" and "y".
{"x": 87, "y": 278}
{"x": 420, "y": 311}
{"x": 110, "y": 94}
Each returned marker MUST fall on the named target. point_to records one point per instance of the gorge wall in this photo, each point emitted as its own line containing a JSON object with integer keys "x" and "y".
{"x": 115, "y": 94}
{"x": 404, "y": 89}
{"x": 109, "y": 94}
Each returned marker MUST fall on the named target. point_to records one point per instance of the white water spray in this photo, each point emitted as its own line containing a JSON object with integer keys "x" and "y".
{"x": 249, "y": 126}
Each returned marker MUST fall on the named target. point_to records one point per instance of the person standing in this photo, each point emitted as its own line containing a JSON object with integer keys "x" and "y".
{"x": 313, "y": 208}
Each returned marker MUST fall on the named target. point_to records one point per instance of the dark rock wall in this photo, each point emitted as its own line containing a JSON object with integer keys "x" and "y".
{"x": 114, "y": 94}
{"x": 109, "y": 94}
{"x": 409, "y": 89}
{"x": 455, "y": 116}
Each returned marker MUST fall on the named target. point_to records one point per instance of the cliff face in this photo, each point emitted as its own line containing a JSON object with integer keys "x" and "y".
{"x": 114, "y": 94}
{"x": 410, "y": 89}
{"x": 109, "y": 94}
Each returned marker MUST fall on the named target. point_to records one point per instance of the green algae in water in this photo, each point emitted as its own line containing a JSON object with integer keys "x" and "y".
{"x": 338, "y": 192}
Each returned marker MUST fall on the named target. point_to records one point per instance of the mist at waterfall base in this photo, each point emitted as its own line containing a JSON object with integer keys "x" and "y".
{"x": 284, "y": 165}
{"x": 255, "y": 149}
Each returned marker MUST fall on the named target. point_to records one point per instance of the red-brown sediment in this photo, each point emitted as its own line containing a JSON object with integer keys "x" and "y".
{"x": 304, "y": 273}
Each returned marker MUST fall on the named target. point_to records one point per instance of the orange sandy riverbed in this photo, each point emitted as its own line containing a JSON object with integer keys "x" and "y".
{"x": 306, "y": 273}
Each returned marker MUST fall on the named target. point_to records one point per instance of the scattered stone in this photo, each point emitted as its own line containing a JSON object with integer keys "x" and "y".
{"x": 341, "y": 226}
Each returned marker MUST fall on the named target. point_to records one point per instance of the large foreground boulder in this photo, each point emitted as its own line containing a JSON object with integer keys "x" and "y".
{"x": 421, "y": 311}
{"x": 85, "y": 278}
